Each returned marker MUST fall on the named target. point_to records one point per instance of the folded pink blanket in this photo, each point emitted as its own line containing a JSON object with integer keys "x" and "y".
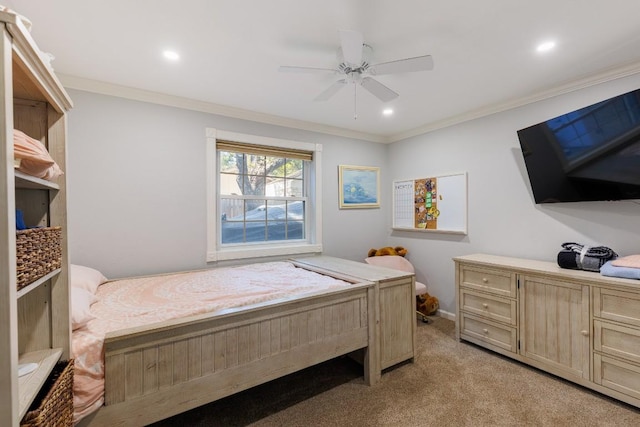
{"x": 631, "y": 261}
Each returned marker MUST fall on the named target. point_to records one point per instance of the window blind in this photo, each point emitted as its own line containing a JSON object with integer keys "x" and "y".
{"x": 240, "y": 147}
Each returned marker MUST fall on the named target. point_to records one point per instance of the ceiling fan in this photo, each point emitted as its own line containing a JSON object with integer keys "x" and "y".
{"x": 354, "y": 68}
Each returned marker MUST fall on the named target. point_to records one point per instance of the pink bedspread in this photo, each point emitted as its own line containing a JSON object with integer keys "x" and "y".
{"x": 141, "y": 301}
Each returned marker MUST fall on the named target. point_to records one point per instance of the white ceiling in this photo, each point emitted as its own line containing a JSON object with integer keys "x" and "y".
{"x": 484, "y": 53}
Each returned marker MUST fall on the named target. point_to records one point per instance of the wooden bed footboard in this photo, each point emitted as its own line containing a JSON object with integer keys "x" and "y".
{"x": 155, "y": 372}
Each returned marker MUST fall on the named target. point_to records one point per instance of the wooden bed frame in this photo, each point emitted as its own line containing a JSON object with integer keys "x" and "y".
{"x": 156, "y": 372}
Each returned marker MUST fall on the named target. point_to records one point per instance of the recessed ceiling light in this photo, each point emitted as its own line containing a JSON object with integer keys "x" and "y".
{"x": 171, "y": 55}
{"x": 387, "y": 111}
{"x": 546, "y": 46}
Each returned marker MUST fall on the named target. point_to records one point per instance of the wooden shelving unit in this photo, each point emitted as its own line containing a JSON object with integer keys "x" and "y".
{"x": 29, "y": 385}
{"x": 36, "y": 284}
{"x": 31, "y": 182}
{"x": 34, "y": 321}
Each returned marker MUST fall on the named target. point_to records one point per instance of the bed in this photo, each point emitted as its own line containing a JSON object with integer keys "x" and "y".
{"x": 155, "y": 370}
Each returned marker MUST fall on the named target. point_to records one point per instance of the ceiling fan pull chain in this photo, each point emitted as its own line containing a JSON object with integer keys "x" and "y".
{"x": 355, "y": 102}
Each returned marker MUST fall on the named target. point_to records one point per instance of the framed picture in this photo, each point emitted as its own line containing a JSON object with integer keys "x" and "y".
{"x": 359, "y": 187}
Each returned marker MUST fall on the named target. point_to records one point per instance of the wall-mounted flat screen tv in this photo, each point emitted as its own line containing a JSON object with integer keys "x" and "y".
{"x": 586, "y": 155}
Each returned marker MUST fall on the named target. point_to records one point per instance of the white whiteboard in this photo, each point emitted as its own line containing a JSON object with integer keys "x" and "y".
{"x": 431, "y": 204}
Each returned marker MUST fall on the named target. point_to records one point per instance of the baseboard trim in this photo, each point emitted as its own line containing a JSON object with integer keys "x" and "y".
{"x": 447, "y": 315}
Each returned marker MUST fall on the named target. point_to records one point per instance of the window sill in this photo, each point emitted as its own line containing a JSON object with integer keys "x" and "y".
{"x": 261, "y": 252}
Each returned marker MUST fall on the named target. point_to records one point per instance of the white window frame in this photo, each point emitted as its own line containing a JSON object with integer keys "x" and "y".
{"x": 313, "y": 214}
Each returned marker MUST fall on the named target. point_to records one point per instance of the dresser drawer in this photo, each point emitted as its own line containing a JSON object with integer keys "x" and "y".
{"x": 616, "y": 340}
{"x": 492, "y": 307}
{"x": 615, "y": 305}
{"x": 489, "y": 280}
{"x": 487, "y": 331}
{"x": 617, "y": 375}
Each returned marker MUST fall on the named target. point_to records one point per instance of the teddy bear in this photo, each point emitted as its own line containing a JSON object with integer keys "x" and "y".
{"x": 427, "y": 304}
{"x": 387, "y": 250}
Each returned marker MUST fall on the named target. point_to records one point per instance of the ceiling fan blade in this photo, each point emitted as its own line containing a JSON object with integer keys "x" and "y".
{"x": 294, "y": 69}
{"x": 351, "y": 43}
{"x": 331, "y": 90}
{"x": 379, "y": 90}
{"x": 419, "y": 63}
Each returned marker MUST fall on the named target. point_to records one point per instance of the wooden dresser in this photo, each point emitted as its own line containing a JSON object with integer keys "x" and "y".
{"x": 575, "y": 324}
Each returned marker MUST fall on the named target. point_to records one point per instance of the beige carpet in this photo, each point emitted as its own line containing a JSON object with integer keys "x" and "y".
{"x": 450, "y": 384}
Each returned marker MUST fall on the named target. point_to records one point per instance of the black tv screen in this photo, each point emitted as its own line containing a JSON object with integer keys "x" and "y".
{"x": 586, "y": 155}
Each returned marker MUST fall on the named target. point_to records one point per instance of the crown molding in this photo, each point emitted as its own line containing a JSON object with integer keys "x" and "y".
{"x": 606, "y": 76}
{"x": 104, "y": 88}
{"x": 95, "y": 86}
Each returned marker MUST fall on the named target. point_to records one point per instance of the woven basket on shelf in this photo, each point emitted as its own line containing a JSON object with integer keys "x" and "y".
{"x": 53, "y": 406}
{"x": 38, "y": 252}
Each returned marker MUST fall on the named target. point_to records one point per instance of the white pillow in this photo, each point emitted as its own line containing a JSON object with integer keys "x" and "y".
{"x": 81, "y": 301}
{"x": 85, "y": 278}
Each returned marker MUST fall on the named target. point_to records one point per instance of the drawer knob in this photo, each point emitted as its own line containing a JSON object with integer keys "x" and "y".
{"x": 485, "y": 305}
{"x": 486, "y": 331}
{"x": 585, "y": 333}
{"x": 485, "y": 280}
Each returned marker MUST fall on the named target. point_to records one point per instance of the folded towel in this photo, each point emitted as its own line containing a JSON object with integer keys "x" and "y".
{"x": 608, "y": 269}
{"x": 631, "y": 261}
{"x": 580, "y": 257}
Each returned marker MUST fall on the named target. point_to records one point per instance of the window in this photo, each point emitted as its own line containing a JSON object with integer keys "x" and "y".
{"x": 262, "y": 196}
